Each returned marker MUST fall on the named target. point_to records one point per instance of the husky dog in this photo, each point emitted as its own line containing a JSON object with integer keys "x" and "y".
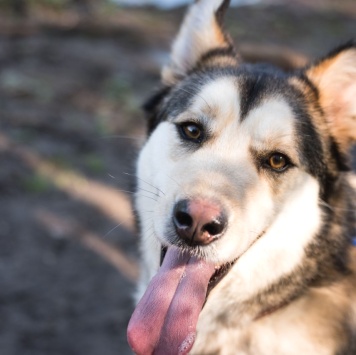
{"x": 254, "y": 216}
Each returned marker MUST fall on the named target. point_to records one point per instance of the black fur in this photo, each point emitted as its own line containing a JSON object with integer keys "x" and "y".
{"x": 220, "y": 13}
{"x": 151, "y": 108}
{"x": 216, "y": 52}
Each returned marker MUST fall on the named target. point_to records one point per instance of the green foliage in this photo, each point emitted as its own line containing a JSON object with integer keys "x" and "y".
{"x": 94, "y": 163}
{"x": 36, "y": 184}
{"x": 119, "y": 90}
{"x": 59, "y": 161}
{"x": 102, "y": 123}
{"x": 20, "y": 84}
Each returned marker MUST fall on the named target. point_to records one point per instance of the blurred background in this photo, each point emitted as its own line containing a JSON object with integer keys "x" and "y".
{"x": 73, "y": 75}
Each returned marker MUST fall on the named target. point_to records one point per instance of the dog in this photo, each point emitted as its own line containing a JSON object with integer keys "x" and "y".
{"x": 244, "y": 203}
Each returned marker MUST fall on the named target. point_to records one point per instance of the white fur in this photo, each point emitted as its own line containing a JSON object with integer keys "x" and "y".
{"x": 282, "y": 247}
{"x": 153, "y": 169}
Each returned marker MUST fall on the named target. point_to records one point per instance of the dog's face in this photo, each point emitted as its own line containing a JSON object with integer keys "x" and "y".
{"x": 231, "y": 144}
{"x": 247, "y": 147}
{"x": 240, "y": 162}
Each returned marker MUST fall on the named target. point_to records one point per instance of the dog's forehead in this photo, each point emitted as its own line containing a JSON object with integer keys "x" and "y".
{"x": 218, "y": 99}
{"x": 256, "y": 105}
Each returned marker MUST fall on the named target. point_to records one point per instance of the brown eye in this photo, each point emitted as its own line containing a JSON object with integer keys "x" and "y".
{"x": 192, "y": 131}
{"x": 278, "y": 161}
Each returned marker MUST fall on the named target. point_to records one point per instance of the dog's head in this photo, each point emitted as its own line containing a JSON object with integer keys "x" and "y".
{"x": 234, "y": 147}
{"x": 242, "y": 157}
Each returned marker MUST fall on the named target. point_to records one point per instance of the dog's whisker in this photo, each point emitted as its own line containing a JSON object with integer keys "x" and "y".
{"x": 153, "y": 193}
{"x": 137, "y": 193}
{"x": 126, "y": 191}
{"x": 149, "y": 230}
{"x": 151, "y": 235}
{"x": 174, "y": 180}
{"x": 145, "y": 219}
{"x": 139, "y": 188}
{"x": 112, "y": 229}
{"x": 155, "y": 187}
{"x": 332, "y": 208}
{"x": 325, "y": 204}
{"x": 152, "y": 198}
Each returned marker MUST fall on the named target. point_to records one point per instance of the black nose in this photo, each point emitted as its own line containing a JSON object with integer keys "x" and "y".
{"x": 199, "y": 221}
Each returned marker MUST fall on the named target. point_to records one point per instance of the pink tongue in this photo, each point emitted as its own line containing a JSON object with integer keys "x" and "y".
{"x": 165, "y": 319}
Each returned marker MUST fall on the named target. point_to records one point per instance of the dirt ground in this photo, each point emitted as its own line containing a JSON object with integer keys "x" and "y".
{"x": 71, "y": 86}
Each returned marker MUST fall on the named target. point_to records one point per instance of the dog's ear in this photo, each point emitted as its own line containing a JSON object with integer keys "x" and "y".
{"x": 200, "y": 41}
{"x": 335, "y": 79}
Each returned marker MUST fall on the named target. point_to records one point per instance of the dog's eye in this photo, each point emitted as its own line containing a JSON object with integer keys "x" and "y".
{"x": 191, "y": 131}
{"x": 278, "y": 161}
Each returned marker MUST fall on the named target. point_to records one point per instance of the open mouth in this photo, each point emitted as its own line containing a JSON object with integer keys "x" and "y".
{"x": 220, "y": 271}
{"x": 219, "y": 274}
{"x": 165, "y": 320}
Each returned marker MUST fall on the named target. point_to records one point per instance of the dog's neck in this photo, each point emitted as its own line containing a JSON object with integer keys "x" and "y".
{"x": 271, "y": 310}
{"x": 268, "y": 301}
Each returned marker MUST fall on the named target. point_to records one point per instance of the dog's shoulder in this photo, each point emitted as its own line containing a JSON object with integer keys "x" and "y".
{"x": 335, "y": 309}
{"x": 322, "y": 321}
{"x": 330, "y": 319}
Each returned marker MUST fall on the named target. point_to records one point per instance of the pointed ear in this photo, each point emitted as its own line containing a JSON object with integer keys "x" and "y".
{"x": 201, "y": 34}
{"x": 335, "y": 79}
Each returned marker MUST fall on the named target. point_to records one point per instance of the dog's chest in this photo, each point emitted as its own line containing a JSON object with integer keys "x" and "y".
{"x": 287, "y": 331}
